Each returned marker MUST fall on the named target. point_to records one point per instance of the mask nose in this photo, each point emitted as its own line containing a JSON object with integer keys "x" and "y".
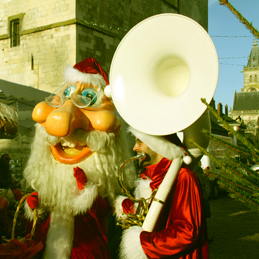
{"x": 64, "y": 120}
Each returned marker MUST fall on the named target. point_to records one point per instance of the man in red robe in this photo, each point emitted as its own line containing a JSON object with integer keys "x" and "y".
{"x": 180, "y": 231}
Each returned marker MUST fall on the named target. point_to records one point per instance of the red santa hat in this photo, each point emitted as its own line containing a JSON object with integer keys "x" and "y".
{"x": 87, "y": 71}
{"x": 169, "y": 146}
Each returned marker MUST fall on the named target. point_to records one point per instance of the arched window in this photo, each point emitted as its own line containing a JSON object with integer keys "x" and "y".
{"x": 252, "y": 89}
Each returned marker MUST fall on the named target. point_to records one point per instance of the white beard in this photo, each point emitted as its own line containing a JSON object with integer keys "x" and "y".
{"x": 55, "y": 181}
{"x": 57, "y": 187}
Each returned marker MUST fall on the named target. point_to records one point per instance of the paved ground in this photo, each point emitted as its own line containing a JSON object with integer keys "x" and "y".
{"x": 233, "y": 230}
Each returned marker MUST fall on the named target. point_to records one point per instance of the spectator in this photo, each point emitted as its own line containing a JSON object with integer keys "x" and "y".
{"x": 5, "y": 175}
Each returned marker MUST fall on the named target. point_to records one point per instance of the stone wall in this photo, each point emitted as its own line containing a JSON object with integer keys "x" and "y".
{"x": 46, "y": 44}
{"x": 57, "y": 33}
{"x": 251, "y": 120}
{"x": 104, "y": 24}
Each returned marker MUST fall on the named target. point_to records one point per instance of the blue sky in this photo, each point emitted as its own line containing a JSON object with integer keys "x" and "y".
{"x": 234, "y": 48}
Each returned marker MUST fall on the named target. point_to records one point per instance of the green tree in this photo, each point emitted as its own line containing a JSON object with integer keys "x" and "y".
{"x": 241, "y": 182}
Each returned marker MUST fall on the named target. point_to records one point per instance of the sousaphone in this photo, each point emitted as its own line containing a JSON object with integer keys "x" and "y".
{"x": 159, "y": 73}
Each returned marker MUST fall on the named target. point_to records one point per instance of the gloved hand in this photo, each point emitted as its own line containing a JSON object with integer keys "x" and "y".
{"x": 80, "y": 176}
{"x": 33, "y": 200}
{"x": 128, "y": 206}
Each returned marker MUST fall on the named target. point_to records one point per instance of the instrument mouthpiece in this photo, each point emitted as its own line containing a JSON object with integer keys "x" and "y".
{"x": 141, "y": 155}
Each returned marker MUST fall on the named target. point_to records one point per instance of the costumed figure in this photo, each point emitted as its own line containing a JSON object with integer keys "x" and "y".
{"x": 180, "y": 230}
{"x": 158, "y": 93}
{"x": 75, "y": 155}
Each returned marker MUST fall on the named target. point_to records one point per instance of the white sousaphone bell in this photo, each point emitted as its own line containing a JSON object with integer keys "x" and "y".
{"x": 159, "y": 73}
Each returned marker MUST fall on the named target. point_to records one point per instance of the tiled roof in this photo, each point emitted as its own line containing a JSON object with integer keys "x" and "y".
{"x": 246, "y": 101}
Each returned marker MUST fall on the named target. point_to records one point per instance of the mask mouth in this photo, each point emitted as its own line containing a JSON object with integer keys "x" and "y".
{"x": 70, "y": 155}
{"x": 70, "y": 150}
{"x": 79, "y": 145}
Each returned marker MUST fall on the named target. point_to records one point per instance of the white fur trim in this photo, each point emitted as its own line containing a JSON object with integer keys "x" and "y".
{"x": 143, "y": 188}
{"x": 118, "y": 210}
{"x": 28, "y": 212}
{"x": 108, "y": 91}
{"x": 130, "y": 246}
{"x": 187, "y": 160}
{"x": 159, "y": 144}
{"x": 73, "y": 75}
{"x": 195, "y": 152}
{"x": 82, "y": 201}
{"x": 60, "y": 236}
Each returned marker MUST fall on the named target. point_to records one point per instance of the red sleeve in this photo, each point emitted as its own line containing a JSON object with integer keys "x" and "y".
{"x": 183, "y": 224}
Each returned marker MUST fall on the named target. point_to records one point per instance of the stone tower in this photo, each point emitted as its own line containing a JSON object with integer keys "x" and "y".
{"x": 251, "y": 71}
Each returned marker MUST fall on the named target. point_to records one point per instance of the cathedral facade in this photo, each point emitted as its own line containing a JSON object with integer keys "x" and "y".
{"x": 246, "y": 102}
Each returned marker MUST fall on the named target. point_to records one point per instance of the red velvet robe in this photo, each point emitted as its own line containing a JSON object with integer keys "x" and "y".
{"x": 90, "y": 240}
{"x": 180, "y": 231}
{"x": 90, "y": 232}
